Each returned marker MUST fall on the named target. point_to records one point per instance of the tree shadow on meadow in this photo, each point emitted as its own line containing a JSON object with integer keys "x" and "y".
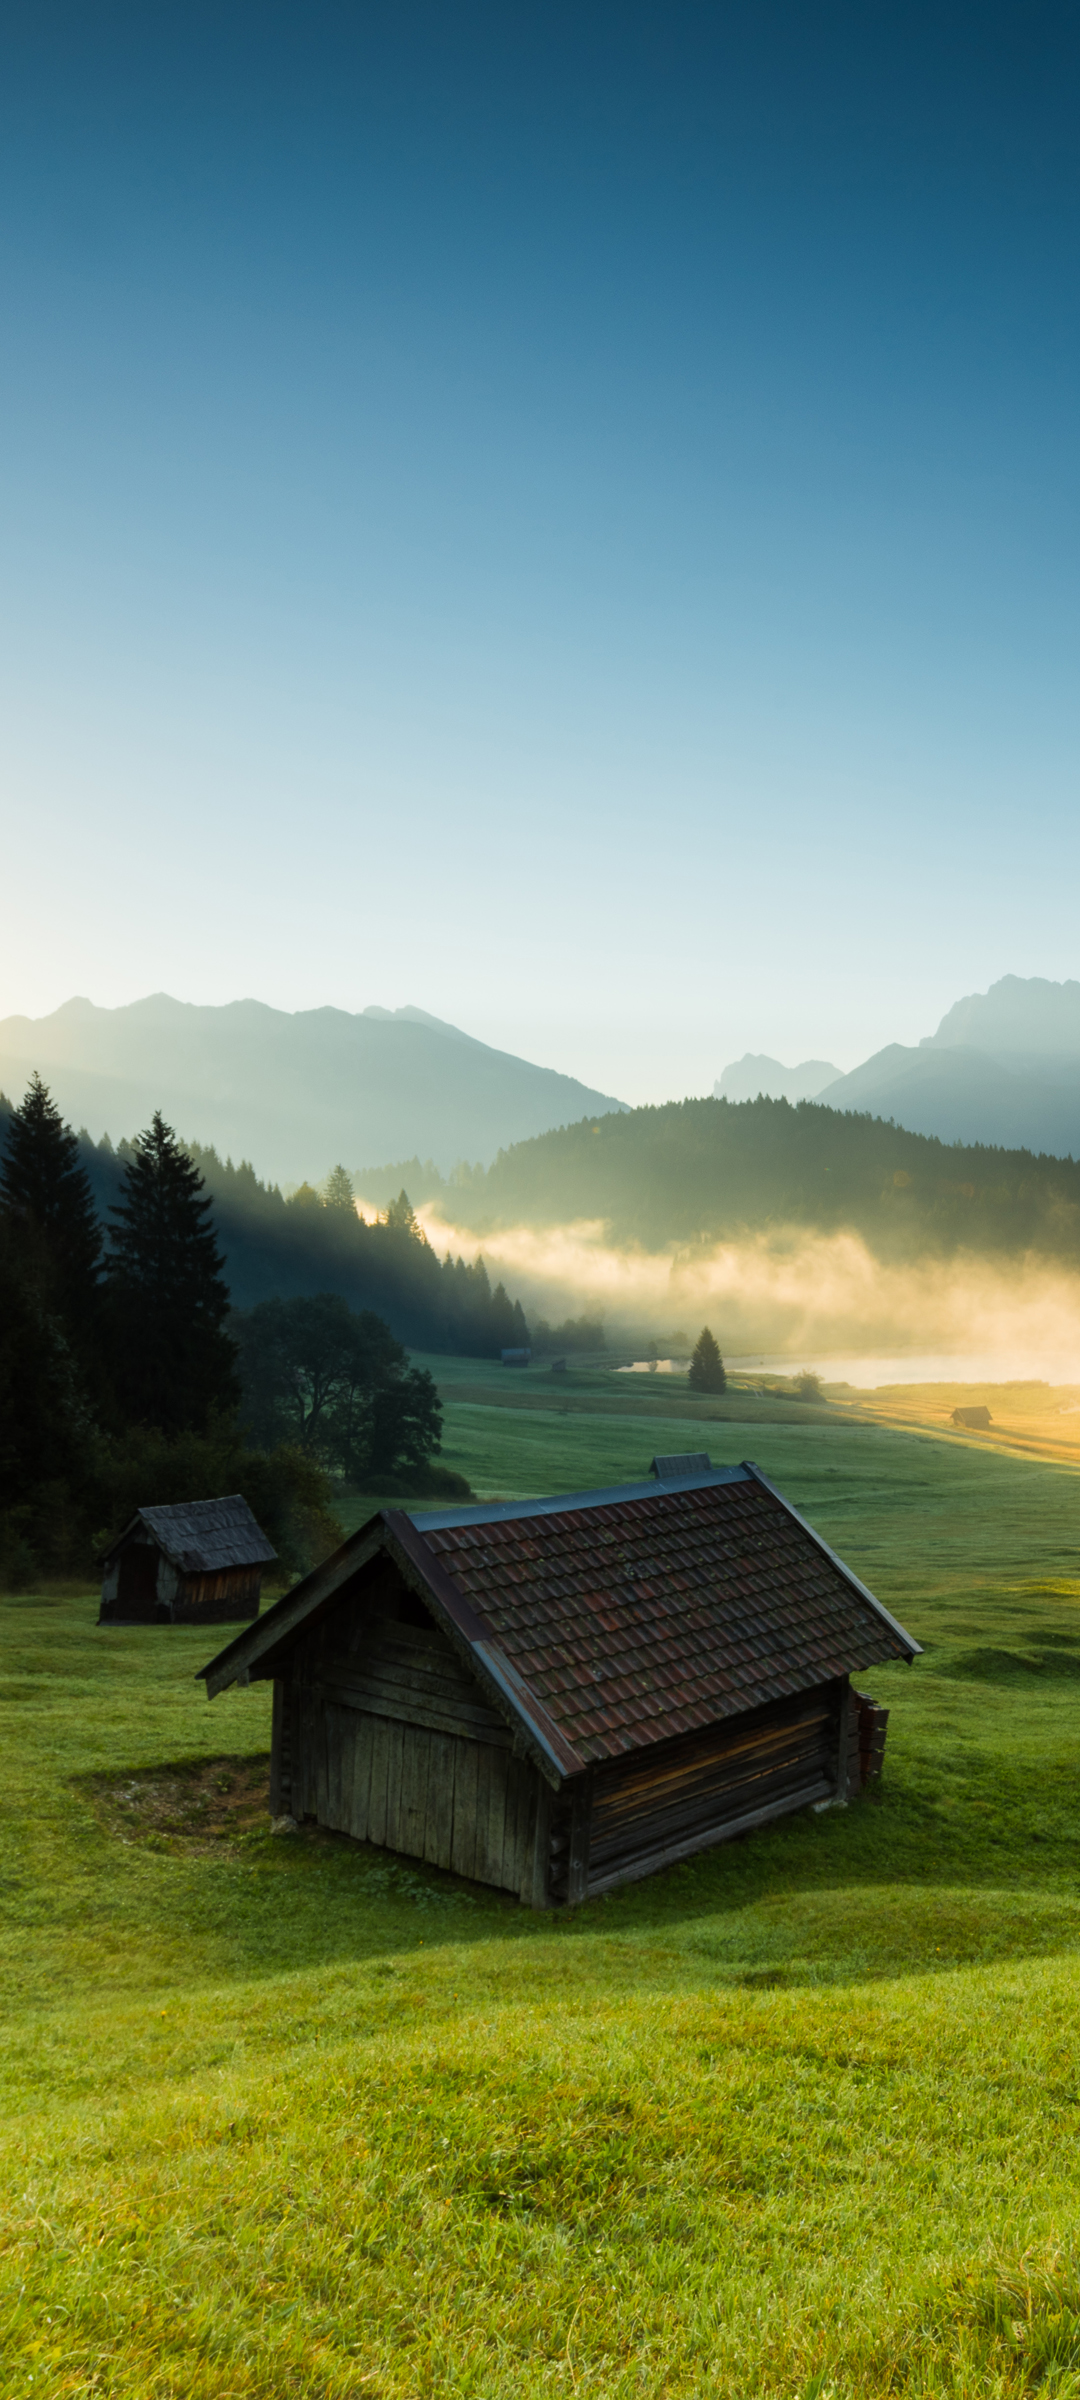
{"x": 955, "y": 1858}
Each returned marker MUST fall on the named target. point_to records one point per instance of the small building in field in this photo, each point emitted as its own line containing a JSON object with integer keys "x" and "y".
{"x": 199, "y": 1563}
{"x": 559, "y": 1696}
{"x": 975, "y": 1419}
{"x": 516, "y": 1358}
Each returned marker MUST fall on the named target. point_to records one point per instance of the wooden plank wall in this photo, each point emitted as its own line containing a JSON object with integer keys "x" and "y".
{"x": 392, "y": 1742}
{"x": 675, "y": 1799}
{"x": 219, "y": 1598}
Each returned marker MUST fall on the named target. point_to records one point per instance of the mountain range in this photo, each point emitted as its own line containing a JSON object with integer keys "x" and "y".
{"x": 1003, "y": 1068}
{"x": 297, "y": 1093}
{"x": 293, "y": 1093}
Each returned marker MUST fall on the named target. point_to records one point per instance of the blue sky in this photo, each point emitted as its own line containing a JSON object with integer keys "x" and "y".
{"x": 567, "y": 517}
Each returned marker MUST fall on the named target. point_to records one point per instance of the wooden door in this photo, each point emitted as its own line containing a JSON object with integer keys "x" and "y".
{"x": 136, "y": 1595}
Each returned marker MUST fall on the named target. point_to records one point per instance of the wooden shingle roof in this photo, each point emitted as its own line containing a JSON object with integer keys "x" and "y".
{"x": 203, "y": 1536}
{"x": 602, "y": 1622}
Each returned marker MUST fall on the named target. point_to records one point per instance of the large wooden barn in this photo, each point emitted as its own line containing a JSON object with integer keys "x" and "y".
{"x": 561, "y": 1696}
{"x": 199, "y": 1563}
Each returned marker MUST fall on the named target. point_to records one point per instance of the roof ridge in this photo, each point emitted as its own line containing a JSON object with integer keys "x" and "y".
{"x": 493, "y": 1512}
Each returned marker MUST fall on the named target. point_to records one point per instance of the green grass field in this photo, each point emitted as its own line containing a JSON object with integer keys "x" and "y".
{"x": 799, "y": 2119}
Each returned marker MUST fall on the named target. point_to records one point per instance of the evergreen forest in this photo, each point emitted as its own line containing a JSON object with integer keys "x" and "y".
{"x": 695, "y": 1170}
{"x": 170, "y": 1329}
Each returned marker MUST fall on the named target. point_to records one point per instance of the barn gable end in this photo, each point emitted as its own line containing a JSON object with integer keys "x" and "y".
{"x": 382, "y": 1732}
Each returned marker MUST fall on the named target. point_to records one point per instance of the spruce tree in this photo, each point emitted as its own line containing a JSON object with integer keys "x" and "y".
{"x": 45, "y": 1197}
{"x": 706, "y": 1366}
{"x": 401, "y": 1218}
{"x": 173, "y": 1363}
{"x": 337, "y": 1191}
{"x": 48, "y": 1453}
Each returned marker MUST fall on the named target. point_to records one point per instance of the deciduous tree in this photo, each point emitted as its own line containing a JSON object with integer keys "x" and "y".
{"x": 334, "y": 1381}
{"x": 404, "y": 1423}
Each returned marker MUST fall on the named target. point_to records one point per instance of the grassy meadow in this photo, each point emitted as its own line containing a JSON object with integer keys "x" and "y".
{"x": 291, "y": 2120}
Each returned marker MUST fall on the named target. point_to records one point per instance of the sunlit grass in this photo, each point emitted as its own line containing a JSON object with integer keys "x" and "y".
{"x": 800, "y": 2118}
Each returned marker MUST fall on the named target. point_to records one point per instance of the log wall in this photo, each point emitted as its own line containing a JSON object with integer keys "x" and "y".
{"x": 142, "y": 1587}
{"x": 222, "y": 1598}
{"x": 687, "y": 1794}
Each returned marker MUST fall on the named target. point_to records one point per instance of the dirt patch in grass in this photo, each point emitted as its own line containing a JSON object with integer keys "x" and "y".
{"x": 207, "y": 1805}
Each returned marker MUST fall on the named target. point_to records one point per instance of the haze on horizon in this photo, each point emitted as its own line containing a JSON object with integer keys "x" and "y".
{"x": 566, "y": 520}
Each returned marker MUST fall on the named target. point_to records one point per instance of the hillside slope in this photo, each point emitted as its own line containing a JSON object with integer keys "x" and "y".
{"x": 293, "y": 1093}
{"x": 697, "y": 1170}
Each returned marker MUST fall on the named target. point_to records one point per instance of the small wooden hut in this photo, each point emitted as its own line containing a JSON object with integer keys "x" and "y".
{"x": 564, "y": 1695}
{"x": 199, "y": 1563}
{"x": 977, "y": 1420}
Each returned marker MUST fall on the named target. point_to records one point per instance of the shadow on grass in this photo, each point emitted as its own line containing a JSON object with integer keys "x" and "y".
{"x": 988, "y": 1665}
{"x": 944, "y": 1864}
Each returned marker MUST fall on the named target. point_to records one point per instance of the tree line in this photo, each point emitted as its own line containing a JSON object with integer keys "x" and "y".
{"x": 316, "y": 1240}
{"x": 128, "y": 1376}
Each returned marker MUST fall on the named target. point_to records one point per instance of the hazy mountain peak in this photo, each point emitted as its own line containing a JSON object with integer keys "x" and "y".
{"x": 755, "y": 1073}
{"x": 417, "y": 1016}
{"x": 1020, "y": 1015}
{"x": 291, "y": 1090}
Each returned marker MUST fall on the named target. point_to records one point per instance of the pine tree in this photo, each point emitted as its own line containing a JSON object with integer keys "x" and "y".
{"x": 401, "y": 1218}
{"x": 337, "y": 1191}
{"x": 47, "y": 1447}
{"x": 45, "y": 1197}
{"x": 706, "y": 1366}
{"x": 173, "y": 1363}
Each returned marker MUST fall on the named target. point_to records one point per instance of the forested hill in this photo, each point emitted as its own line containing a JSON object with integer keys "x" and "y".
{"x": 702, "y": 1169}
{"x": 277, "y": 1248}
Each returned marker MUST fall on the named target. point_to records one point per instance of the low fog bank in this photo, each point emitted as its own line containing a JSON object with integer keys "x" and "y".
{"x": 792, "y": 1293}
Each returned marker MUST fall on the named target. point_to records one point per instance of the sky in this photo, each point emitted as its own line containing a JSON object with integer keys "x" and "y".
{"x": 563, "y": 517}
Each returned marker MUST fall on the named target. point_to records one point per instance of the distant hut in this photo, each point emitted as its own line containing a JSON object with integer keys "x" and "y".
{"x": 516, "y": 1358}
{"x": 975, "y": 1419}
{"x": 559, "y": 1696}
{"x": 197, "y": 1564}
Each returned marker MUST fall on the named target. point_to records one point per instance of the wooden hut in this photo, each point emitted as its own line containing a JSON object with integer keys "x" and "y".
{"x": 563, "y": 1695}
{"x": 977, "y": 1420}
{"x": 197, "y": 1564}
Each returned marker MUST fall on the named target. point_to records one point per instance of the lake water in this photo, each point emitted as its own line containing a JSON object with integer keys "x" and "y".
{"x": 867, "y": 1374}
{"x": 904, "y": 1366}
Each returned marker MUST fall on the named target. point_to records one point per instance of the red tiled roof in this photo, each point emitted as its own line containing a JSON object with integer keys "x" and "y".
{"x": 631, "y": 1620}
